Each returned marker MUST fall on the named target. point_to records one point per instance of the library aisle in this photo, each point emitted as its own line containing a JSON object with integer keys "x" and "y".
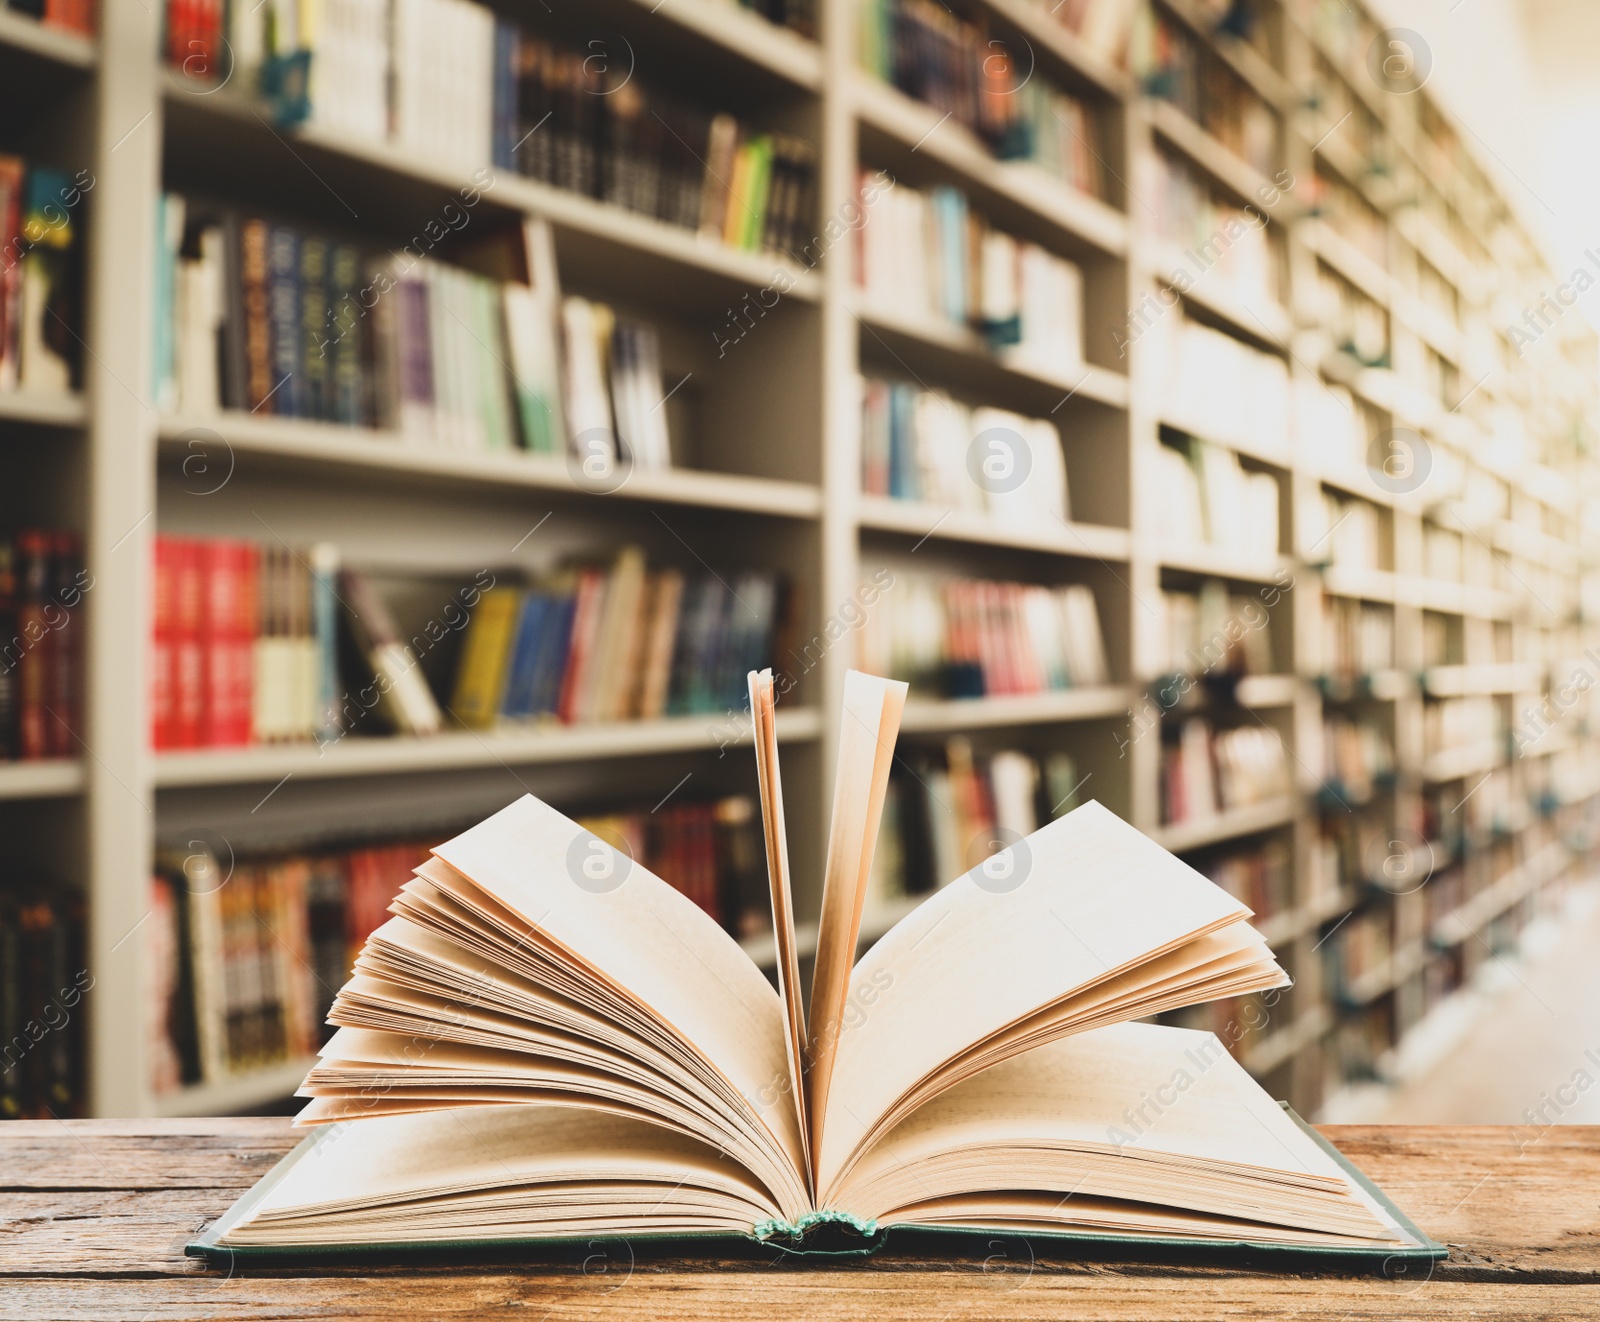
{"x": 408, "y": 405}
{"x": 1533, "y": 1058}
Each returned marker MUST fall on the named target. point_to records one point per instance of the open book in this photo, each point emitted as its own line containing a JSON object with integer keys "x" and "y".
{"x": 546, "y": 1041}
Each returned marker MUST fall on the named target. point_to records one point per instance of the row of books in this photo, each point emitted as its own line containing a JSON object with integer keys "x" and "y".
{"x": 41, "y": 294}
{"x": 973, "y": 638}
{"x": 922, "y": 445}
{"x": 1218, "y": 387}
{"x": 712, "y": 851}
{"x": 450, "y": 81}
{"x": 928, "y": 256}
{"x": 1333, "y": 430}
{"x": 984, "y": 82}
{"x": 1176, "y": 66}
{"x": 43, "y": 985}
{"x": 244, "y": 643}
{"x": 42, "y": 589}
{"x": 275, "y": 320}
{"x": 1262, "y": 877}
{"x": 617, "y": 643}
{"x": 1348, "y": 534}
{"x": 1207, "y": 497}
{"x": 581, "y": 118}
{"x": 1352, "y": 218}
{"x": 949, "y": 809}
{"x": 1216, "y": 244}
{"x": 71, "y": 15}
{"x": 1356, "y": 325}
{"x": 1472, "y": 722}
{"x": 1361, "y": 944}
{"x": 245, "y": 955}
{"x": 1205, "y": 771}
{"x": 1214, "y": 632}
{"x": 1356, "y": 757}
{"x": 1357, "y": 637}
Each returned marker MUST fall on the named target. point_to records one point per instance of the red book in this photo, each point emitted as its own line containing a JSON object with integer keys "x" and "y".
{"x": 188, "y": 648}
{"x": 228, "y": 623}
{"x": 585, "y": 625}
{"x": 163, "y": 589}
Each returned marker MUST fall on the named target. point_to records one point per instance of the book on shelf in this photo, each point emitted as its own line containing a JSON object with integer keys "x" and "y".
{"x": 1218, "y": 387}
{"x": 617, "y": 642}
{"x": 1214, "y": 632}
{"x": 43, "y": 982}
{"x": 948, "y": 809}
{"x": 279, "y": 321}
{"x": 1206, "y": 771}
{"x": 973, "y": 638}
{"x": 245, "y": 954}
{"x": 1215, "y": 245}
{"x": 1175, "y": 66}
{"x": 968, "y": 1071}
{"x": 71, "y": 15}
{"x": 988, "y": 83}
{"x": 1208, "y": 498}
{"x": 41, "y": 278}
{"x": 922, "y": 445}
{"x": 452, "y": 82}
{"x": 927, "y": 257}
{"x": 244, "y": 643}
{"x": 42, "y": 588}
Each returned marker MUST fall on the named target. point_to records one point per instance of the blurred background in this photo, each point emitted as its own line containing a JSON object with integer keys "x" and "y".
{"x": 406, "y": 405}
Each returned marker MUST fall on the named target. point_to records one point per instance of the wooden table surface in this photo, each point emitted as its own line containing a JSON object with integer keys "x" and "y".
{"x": 94, "y": 1215}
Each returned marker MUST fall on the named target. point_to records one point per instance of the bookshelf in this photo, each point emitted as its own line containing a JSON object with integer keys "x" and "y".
{"x": 779, "y": 473}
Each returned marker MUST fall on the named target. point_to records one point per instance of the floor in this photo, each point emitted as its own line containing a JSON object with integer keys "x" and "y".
{"x": 1532, "y": 1058}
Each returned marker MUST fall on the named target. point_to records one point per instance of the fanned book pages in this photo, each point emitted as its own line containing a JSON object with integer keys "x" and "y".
{"x": 546, "y": 1042}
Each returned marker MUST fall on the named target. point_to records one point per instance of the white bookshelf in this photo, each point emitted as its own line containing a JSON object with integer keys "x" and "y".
{"x": 785, "y": 479}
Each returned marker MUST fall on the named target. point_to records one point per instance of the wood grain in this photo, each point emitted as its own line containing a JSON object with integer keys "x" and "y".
{"x": 94, "y": 1216}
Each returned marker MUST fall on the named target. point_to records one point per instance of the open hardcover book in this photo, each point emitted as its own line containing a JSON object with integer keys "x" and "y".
{"x": 547, "y": 1042}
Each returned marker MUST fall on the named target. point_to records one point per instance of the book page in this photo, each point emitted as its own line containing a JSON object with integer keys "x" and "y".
{"x": 764, "y": 716}
{"x": 1152, "y": 1114}
{"x": 642, "y": 937}
{"x": 868, "y": 727}
{"x": 1085, "y": 898}
{"x": 555, "y": 1169}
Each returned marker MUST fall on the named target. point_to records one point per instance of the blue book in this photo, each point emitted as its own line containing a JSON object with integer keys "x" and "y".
{"x": 550, "y": 665}
{"x": 516, "y": 700}
{"x": 284, "y": 322}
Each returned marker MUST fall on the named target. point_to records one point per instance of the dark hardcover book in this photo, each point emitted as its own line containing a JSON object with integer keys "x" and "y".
{"x": 11, "y": 646}
{"x": 315, "y": 397}
{"x": 283, "y": 320}
{"x": 13, "y": 1042}
{"x": 347, "y": 329}
{"x": 504, "y": 134}
{"x": 253, "y": 287}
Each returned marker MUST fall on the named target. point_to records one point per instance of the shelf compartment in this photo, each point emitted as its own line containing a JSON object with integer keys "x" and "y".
{"x": 1223, "y": 826}
{"x": 378, "y": 756}
{"x": 915, "y": 518}
{"x": 957, "y": 355}
{"x": 50, "y": 778}
{"x": 631, "y": 249}
{"x": 996, "y": 186}
{"x": 1265, "y": 324}
{"x": 290, "y": 442}
{"x": 937, "y": 716}
{"x": 1238, "y": 176}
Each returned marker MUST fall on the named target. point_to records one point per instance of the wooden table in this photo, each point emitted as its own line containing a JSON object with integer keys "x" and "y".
{"x": 94, "y": 1215}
